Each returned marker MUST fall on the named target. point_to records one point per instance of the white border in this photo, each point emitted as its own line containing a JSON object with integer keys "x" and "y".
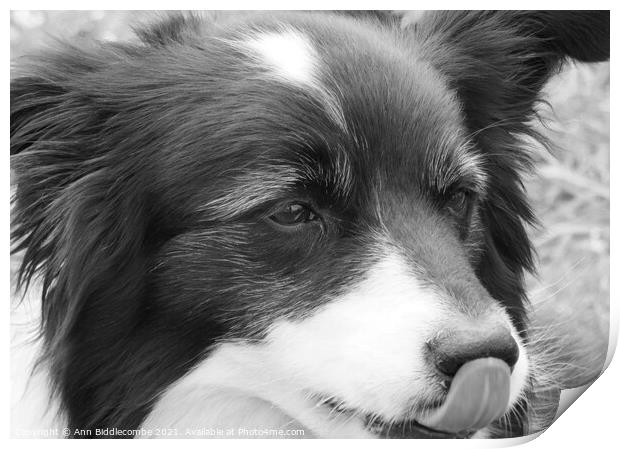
{"x": 590, "y": 422}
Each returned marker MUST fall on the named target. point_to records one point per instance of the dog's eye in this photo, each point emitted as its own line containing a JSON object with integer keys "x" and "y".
{"x": 294, "y": 214}
{"x": 458, "y": 202}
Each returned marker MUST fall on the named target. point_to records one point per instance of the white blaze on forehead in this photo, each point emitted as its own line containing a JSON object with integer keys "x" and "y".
{"x": 289, "y": 54}
{"x": 291, "y": 58}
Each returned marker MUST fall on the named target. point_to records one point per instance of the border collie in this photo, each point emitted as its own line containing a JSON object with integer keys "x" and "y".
{"x": 311, "y": 223}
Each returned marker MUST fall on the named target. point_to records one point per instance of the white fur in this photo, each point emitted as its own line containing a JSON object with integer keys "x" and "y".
{"x": 289, "y": 54}
{"x": 237, "y": 388}
{"x": 520, "y": 372}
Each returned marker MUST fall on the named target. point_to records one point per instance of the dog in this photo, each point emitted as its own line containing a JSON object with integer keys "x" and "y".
{"x": 287, "y": 224}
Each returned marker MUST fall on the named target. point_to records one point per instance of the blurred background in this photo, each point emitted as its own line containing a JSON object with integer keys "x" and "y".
{"x": 570, "y": 193}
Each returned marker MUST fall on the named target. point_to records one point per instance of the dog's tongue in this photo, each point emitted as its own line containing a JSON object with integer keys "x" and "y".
{"x": 478, "y": 395}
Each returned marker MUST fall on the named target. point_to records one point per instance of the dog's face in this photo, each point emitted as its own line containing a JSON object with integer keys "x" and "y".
{"x": 345, "y": 228}
{"x": 320, "y": 212}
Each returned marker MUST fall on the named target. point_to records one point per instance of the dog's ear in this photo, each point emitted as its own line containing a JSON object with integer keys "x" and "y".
{"x": 175, "y": 29}
{"x": 77, "y": 213}
{"x": 498, "y": 61}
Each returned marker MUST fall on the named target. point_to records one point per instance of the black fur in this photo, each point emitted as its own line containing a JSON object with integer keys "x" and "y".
{"x": 117, "y": 148}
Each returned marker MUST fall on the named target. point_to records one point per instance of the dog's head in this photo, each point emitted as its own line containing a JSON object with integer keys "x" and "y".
{"x": 313, "y": 208}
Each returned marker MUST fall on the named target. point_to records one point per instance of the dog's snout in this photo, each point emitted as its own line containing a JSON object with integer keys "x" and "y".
{"x": 453, "y": 349}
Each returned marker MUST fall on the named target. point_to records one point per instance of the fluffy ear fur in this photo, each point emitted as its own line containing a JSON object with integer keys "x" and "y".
{"x": 174, "y": 29}
{"x": 84, "y": 216}
{"x": 498, "y": 62}
{"x": 80, "y": 223}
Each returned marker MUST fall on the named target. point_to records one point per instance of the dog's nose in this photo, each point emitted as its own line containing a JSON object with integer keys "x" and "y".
{"x": 453, "y": 349}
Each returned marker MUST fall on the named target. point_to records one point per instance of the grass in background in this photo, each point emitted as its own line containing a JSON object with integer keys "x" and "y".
{"x": 570, "y": 192}
{"x": 571, "y": 197}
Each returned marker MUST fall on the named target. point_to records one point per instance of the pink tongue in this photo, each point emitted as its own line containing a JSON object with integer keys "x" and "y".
{"x": 478, "y": 395}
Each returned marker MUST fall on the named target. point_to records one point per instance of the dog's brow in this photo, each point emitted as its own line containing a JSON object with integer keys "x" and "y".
{"x": 448, "y": 167}
{"x": 250, "y": 190}
{"x": 471, "y": 165}
{"x": 253, "y": 188}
